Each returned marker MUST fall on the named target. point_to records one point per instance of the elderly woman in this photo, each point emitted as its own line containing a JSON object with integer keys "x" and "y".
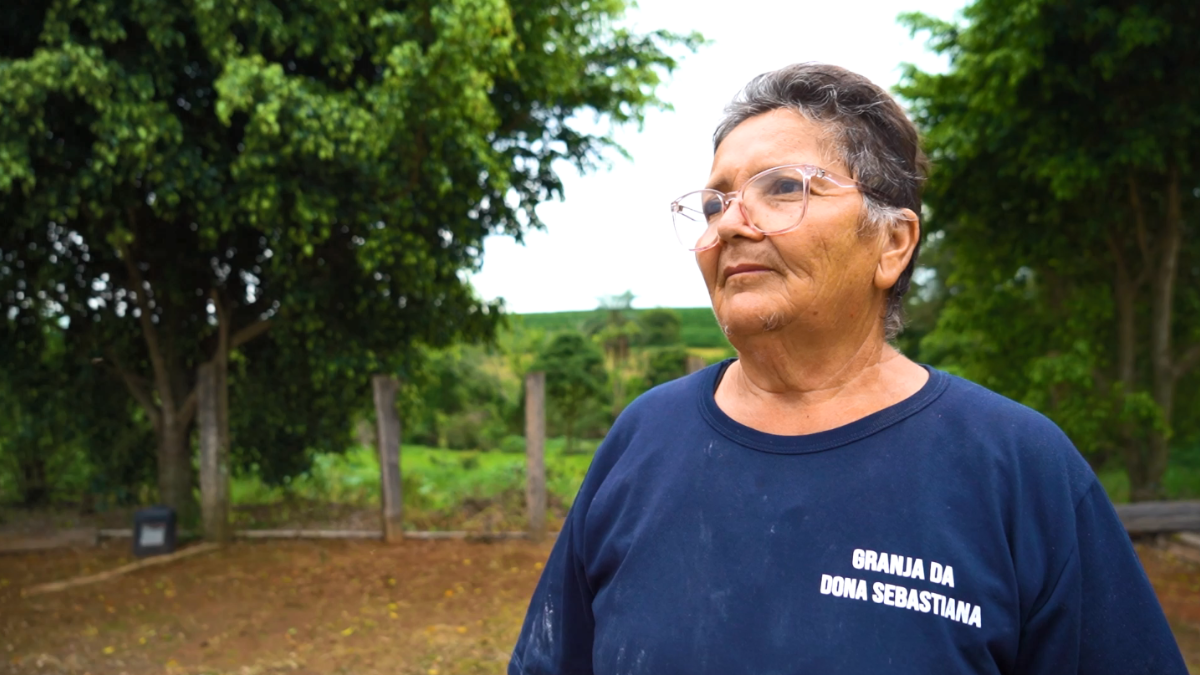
{"x": 822, "y": 504}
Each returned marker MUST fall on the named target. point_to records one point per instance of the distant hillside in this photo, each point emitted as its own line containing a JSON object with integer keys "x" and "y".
{"x": 698, "y": 327}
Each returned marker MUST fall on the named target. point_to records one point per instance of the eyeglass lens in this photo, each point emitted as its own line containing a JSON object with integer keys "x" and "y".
{"x": 773, "y": 201}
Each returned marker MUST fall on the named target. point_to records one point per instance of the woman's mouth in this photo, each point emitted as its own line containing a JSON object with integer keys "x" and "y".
{"x": 744, "y": 269}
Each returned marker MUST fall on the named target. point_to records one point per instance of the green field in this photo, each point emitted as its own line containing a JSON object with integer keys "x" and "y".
{"x": 698, "y": 328}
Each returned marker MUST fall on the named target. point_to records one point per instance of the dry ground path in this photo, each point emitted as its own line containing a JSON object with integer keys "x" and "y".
{"x": 421, "y": 608}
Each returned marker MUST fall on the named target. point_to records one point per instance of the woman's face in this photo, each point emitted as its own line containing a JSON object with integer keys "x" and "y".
{"x": 819, "y": 277}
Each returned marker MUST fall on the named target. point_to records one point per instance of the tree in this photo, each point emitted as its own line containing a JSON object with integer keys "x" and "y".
{"x": 1067, "y": 188}
{"x": 659, "y": 327}
{"x": 458, "y": 399}
{"x": 614, "y": 330}
{"x": 177, "y": 179}
{"x": 665, "y": 364}
{"x": 575, "y": 376}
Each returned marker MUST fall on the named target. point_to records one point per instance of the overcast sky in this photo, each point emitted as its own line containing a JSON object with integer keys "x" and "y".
{"x": 587, "y": 252}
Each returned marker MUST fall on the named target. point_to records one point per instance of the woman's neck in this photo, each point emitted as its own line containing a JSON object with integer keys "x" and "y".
{"x": 790, "y": 386}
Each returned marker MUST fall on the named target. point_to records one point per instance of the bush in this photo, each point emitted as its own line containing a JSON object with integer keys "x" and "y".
{"x": 660, "y": 327}
{"x": 666, "y": 364}
{"x": 513, "y": 445}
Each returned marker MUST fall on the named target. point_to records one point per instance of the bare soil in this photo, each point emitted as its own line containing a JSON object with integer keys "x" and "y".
{"x": 422, "y": 607}
{"x": 419, "y": 608}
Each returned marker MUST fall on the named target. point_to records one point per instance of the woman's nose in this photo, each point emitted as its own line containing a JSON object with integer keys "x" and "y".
{"x": 735, "y": 222}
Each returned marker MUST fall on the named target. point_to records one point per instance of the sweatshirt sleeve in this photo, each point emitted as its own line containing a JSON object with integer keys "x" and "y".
{"x": 556, "y": 638}
{"x": 1101, "y": 616}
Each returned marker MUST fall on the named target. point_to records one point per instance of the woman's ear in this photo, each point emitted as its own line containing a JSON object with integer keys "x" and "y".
{"x": 900, "y": 237}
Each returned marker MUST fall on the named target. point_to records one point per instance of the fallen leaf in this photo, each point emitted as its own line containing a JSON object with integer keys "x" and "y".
{"x": 109, "y": 650}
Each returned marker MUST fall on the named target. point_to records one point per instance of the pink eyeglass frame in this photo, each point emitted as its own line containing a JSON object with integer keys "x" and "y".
{"x": 808, "y": 171}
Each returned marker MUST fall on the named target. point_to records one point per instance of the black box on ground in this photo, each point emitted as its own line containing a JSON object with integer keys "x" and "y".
{"x": 153, "y": 531}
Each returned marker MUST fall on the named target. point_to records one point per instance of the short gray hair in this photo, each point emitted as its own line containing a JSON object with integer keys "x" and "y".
{"x": 871, "y": 134}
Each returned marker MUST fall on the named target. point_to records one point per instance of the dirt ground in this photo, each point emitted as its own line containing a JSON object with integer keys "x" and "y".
{"x": 421, "y": 608}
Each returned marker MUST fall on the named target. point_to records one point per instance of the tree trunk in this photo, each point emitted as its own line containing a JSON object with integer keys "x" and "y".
{"x": 34, "y": 486}
{"x": 388, "y": 434}
{"x": 175, "y": 466}
{"x": 221, "y": 372}
{"x": 1125, "y": 288}
{"x": 1170, "y": 241}
{"x": 214, "y": 458}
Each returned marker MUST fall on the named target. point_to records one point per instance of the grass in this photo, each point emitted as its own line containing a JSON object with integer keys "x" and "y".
{"x": 443, "y": 489}
{"x": 1179, "y": 482}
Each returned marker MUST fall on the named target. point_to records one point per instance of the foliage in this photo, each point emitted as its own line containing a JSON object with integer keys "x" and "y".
{"x": 460, "y": 399}
{"x": 612, "y": 328}
{"x": 926, "y": 297}
{"x": 35, "y": 419}
{"x": 65, "y": 434}
{"x": 575, "y": 378}
{"x": 1067, "y": 191}
{"x": 659, "y": 327}
{"x": 439, "y": 485}
{"x": 176, "y": 179}
{"x": 302, "y": 405}
{"x": 665, "y": 364}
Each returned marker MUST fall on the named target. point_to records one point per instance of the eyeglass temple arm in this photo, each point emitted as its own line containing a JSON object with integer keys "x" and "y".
{"x": 842, "y": 181}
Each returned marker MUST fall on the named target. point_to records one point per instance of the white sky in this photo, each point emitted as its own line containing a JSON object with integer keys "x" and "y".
{"x": 612, "y": 232}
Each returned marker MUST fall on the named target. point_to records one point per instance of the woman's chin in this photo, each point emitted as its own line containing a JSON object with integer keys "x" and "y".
{"x": 747, "y": 319}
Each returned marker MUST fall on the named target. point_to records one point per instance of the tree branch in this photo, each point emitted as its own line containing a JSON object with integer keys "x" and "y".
{"x": 188, "y": 409}
{"x": 249, "y": 333}
{"x": 137, "y": 285}
{"x": 136, "y": 385}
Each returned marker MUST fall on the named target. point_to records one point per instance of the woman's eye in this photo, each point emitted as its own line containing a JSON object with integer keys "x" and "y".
{"x": 786, "y": 186}
{"x": 712, "y": 208}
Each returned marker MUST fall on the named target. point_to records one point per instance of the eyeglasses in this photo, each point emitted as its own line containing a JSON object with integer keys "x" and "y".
{"x": 772, "y": 202}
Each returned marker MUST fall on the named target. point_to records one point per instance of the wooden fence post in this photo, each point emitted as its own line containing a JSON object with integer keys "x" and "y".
{"x": 214, "y": 458}
{"x": 387, "y": 438}
{"x": 535, "y": 453}
{"x": 694, "y": 363}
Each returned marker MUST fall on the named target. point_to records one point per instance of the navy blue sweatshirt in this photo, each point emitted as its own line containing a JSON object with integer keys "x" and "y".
{"x": 954, "y": 532}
